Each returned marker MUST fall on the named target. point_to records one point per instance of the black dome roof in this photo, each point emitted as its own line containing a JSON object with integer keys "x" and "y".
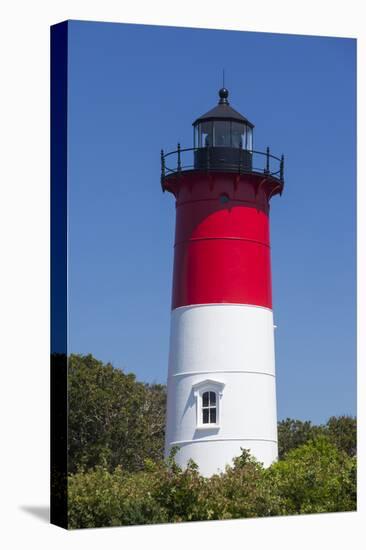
{"x": 223, "y": 111}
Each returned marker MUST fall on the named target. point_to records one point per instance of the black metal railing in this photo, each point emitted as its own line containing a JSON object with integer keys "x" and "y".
{"x": 234, "y": 160}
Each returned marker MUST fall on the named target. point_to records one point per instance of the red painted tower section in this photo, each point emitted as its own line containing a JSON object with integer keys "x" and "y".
{"x": 222, "y": 245}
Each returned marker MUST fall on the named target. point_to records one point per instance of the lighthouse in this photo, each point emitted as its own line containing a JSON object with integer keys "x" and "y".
{"x": 221, "y": 373}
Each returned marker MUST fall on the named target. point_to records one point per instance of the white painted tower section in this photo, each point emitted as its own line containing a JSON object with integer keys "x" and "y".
{"x": 227, "y": 349}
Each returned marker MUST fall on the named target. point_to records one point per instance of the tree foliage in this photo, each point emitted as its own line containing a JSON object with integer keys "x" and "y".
{"x": 341, "y": 431}
{"x": 113, "y": 419}
{"x": 315, "y": 477}
{"x": 118, "y": 476}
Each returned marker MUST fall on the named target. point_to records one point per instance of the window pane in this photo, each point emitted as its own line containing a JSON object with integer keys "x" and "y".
{"x": 222, "y": 134}
{"x": 238, "y": 135}
{"x": 250, "y": 139}
{"x": 205, "y": 399}
{"x": 205, "y": 416}
{"x": 212, "y": 398}
{"x": 213, "y": 416}
{"x": 205, "y": 130}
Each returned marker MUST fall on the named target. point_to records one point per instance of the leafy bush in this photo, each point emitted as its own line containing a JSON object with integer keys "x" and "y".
{"x": 99, "y": 498}
{"x": 316, "y": 477}
{"x": 242, "y": 490}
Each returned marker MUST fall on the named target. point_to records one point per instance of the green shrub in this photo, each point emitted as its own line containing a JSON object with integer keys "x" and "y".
{"x": 99, "y": 498}
{"x": 316, "y": 477}
{"x": 242, "y": 492}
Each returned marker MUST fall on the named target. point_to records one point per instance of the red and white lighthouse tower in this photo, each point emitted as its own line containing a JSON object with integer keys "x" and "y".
{"x": 221, "y": 379}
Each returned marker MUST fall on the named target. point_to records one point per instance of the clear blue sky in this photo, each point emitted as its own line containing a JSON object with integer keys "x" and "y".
{"x": 135, "y": 89}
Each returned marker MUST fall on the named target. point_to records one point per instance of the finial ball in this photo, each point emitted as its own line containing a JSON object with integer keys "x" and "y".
{"x": 223, "y": 93}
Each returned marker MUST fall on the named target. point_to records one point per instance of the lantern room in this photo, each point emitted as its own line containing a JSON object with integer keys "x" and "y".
{"x": 223, "y": 127}
{"x": 223, "y": 138}
{"x": 222, "y": 142}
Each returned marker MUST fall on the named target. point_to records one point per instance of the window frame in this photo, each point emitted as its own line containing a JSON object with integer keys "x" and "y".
{"x": 199, "y": 389}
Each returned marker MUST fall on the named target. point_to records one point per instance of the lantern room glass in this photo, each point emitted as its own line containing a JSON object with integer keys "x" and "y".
{"x": 205, "y": 134}
{"x": 223, "y": 133}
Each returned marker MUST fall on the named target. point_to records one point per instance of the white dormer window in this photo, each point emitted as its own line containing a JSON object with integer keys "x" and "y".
{"x": 208, "y": 394}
